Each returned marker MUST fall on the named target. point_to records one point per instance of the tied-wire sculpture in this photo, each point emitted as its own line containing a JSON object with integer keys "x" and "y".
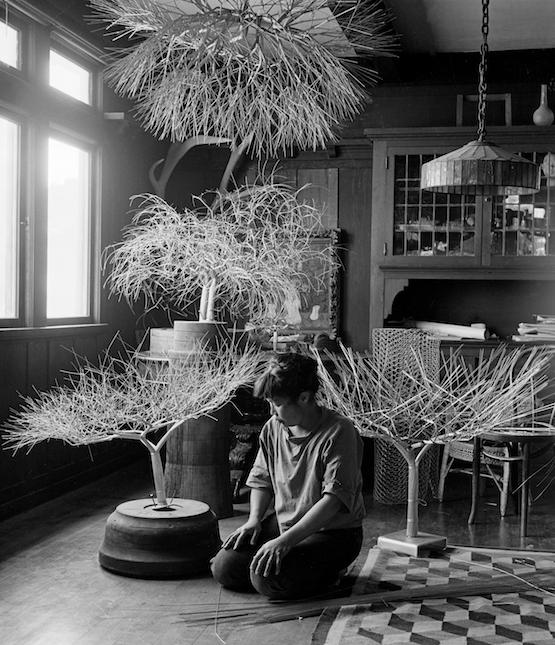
{"x": 417, "y": 409}
{"x": 262, "y": 76}
{"x": 242, "y": 253}
{"x": 120, "y": 398}
{"x": 276, "y": 74}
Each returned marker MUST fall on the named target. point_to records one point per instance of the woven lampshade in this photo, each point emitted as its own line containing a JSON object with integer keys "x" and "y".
{"x": 481, "y": 168}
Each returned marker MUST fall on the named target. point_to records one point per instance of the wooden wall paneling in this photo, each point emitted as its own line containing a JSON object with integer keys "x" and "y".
{"x": 343, "y": 182}
{"x": 37, "y": 365}
{"x": 60, "y": 358}
{"x": 87, "y": 347}
{"x": 321, "y": 185}
{"x": 13, "y": 380}
{"x": 287, "y": 175}
{"x": 333, "y": 197}
{"x": 354, "y": 220}
{"x": 377, "y": 296}
{"x": 13, "y": 375}
{"x": 322, "y": 189}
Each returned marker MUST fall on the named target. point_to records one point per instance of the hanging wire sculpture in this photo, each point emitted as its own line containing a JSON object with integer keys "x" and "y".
{"x": 276, "y": 74}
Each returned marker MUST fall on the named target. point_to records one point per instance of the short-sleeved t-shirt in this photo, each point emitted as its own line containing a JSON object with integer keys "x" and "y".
{"x": 299, "y": 470}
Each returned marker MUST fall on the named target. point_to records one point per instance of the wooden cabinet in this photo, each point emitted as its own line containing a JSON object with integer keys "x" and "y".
{"x": 422, "y": 235}
{"x": 484, "y": 230}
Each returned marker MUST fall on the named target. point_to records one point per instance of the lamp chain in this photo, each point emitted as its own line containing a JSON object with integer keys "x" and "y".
{"x": 482, "y": 88}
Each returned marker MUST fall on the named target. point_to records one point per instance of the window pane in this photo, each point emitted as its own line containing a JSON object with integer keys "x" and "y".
{"x": 9, "y": 164}
{"x": 9, "y": 45}
{"x": 68, "y": 249}
{"x": 428, "y": 223}
{"x": 69, "y": 77}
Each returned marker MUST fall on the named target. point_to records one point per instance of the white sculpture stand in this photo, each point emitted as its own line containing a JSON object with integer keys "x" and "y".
{"x": 417, "y": 545}
{"x": 411, "y": 541}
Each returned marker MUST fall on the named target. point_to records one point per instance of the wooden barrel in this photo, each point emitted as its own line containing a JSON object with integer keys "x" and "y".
{"x": 192, "y": 335}
{"x": 161, "y": 340}
{"x": 143, "y": 542}
{"x": 197, "y": 462}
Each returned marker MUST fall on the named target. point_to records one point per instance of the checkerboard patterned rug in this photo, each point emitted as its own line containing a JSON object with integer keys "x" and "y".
{"x": 503, "y": 618}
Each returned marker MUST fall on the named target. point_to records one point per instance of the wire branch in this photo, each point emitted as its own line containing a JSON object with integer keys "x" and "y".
{"x": 461, "y": 401}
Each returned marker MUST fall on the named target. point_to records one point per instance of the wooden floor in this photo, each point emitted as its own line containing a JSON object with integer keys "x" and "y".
{"x": 52, "y": 591}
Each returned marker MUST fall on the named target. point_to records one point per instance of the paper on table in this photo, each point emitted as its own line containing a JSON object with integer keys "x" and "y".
{"x": 446, "y": 329}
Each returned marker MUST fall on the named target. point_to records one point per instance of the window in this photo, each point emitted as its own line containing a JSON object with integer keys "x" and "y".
{"x": 429, "y": 223}
{"x": 522, "y": 225}
{"x": 440, "y": 224}
{"x": 49, "y": 174}
{"x": 69, "y": 77}
{"x": 9, "y": 216}
{"x": 9, "y": 45}
{"x": 68, "y": 231}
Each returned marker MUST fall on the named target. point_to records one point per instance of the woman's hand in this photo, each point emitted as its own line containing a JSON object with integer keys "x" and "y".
{"x": 270, "y": 556}
{"x": 248, "y": 532}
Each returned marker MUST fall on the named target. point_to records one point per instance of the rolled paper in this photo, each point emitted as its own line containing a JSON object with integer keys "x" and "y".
{"x": 446, "y": 329}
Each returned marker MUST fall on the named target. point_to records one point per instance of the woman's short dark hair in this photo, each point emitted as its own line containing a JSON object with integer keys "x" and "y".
{"x": 288, "y": 375}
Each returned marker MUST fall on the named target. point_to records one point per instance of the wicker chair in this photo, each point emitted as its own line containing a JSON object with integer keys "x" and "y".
{"x": 495, "y": 462}
{"x": 394, "y": 351}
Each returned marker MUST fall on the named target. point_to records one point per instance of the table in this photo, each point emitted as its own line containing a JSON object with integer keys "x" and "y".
{"x": 523, "y": 438}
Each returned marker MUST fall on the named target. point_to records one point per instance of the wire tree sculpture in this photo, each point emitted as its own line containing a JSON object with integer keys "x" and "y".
{"x": 416, "y": 410}
{"x": 267, "y": 74}
{"x": 264, "y": 76}
{"x": 120, "y": 399}
{"x": 244, "y": 253}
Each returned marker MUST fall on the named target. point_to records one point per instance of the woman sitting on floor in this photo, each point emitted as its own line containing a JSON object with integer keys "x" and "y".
{"x": 309, "y": 462}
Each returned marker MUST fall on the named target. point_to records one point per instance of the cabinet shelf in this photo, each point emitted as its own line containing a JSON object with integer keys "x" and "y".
{"x": 431, "y": 228}
{"x": 420, "y": 269}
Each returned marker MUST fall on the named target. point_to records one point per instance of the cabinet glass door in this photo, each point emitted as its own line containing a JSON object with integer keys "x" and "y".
{"x": 426, "y": 223}
{"x": 522, "y": 225}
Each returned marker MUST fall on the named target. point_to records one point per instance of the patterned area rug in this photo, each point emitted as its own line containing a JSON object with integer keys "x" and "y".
{"x": 501, "y": 618}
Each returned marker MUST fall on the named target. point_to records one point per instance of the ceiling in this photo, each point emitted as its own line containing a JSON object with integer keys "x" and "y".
{"x": 437, "y": 26}
{"x": 320, "y": 21}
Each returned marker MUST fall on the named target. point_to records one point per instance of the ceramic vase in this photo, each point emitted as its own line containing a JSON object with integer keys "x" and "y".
{"x": 543, "y": 116}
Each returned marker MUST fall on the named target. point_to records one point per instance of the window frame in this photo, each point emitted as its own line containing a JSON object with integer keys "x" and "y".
{"x": 42, "y": 111}
{"x": 18, "y": 26}
{"x": 40, "y": 287}
{"x": 20, "y": 250}
{"x": 90, "y": 90}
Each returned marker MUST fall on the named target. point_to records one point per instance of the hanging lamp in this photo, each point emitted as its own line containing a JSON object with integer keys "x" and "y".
{"x": 480, "y": 167}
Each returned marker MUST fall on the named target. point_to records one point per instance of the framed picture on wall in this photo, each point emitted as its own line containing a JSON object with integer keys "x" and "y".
{"x": 319, "y": 297}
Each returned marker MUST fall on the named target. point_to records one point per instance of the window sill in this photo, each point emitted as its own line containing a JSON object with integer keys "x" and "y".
{"x": 53, "y": 331}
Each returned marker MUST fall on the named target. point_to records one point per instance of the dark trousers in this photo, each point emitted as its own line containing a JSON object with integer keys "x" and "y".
{"x": 311, "y": 565}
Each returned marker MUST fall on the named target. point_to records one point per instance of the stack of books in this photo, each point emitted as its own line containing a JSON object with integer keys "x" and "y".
{"x": 543, "y": 329}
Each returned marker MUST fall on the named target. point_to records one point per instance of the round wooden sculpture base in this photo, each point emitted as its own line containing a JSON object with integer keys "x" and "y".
{"x": 142, "y": 542}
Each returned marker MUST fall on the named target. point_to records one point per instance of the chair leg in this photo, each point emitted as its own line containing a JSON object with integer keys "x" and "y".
{"x": 505, "y": 489}
{"x": 446, "y": 463}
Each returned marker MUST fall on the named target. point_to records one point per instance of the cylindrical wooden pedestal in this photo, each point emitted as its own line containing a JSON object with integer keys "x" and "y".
{"x": 142, "y": 542}
{"x": 197, "y": 462}
{"x": 194, "y": 336}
